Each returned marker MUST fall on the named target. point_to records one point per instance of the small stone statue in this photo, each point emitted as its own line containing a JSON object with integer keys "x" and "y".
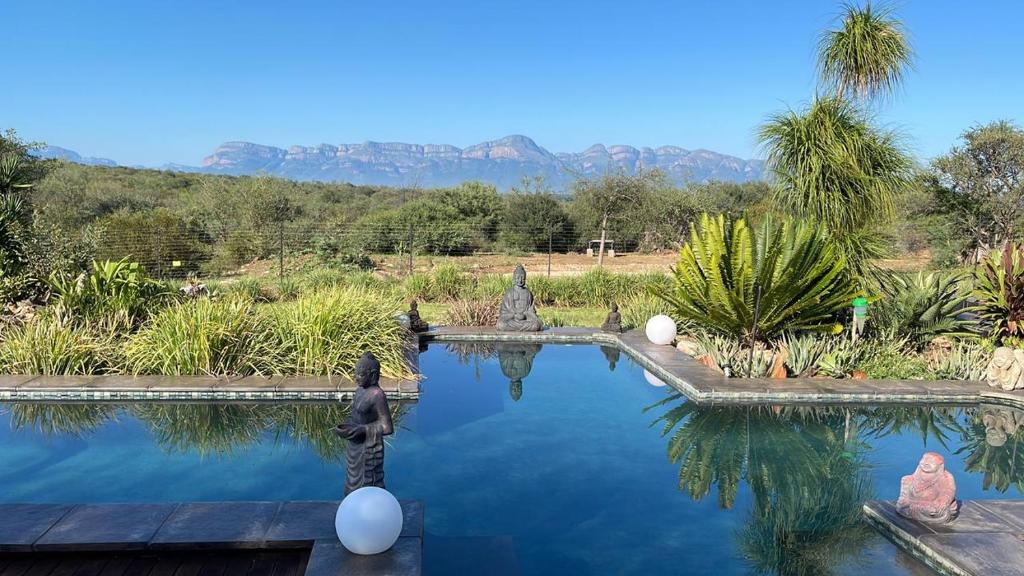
{"x": 613, "y": 323}
{"x": 1006, "y": 370}
{"x": 929, "y": 494}
{"x": 416, "y": 324}
{"x": 516, "y": 361}
{"x": 367, "y": 425}
{"x": 1000, "y": 424}
{"x": 517, "y": 312}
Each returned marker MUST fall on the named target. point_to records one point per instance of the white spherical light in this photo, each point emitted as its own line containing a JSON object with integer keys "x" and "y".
{"x": 369, "y": 521}
{"x": 661, "y": 330}
{"x": 653, "y": 380}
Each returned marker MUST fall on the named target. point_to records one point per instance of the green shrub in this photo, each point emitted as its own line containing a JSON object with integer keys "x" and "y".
{"x": 637, "y": 309}
{"x": 447, "y": 282}
{"x": 119, "y": 290}
{"x": 890, "y": 359}
{"x": 999, "y": 289}
{"x": 966, "y": 361}
{"x": 801, "y": 277}
{"x": 231, "y": 336}
{"x": 326, "y": 332}
{"x": 925, "y": 306}
{"x": 51, "y": 346}
{"x": 249, "y": 289}
{"x": 417, "y": 286}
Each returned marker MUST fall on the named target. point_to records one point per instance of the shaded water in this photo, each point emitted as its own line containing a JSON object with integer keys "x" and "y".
{"x": 538, "y": 460}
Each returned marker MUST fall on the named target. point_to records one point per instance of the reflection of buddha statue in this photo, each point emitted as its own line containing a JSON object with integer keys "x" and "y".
{"x": 416, "y": 324}
{"x": 611, "y": 354}
{"x": 613, "y": 323}
{"x": 517, "y": 312}
{"x": 1000, "y": 424}
{"x": 929, "y": 494}
{"x": 367, "y": 425}
{"x": 516, "y": 361}
{"x": 1006, "y": 369}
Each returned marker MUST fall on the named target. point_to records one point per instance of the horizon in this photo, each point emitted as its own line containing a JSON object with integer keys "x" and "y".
{"x": 168, "y": 83}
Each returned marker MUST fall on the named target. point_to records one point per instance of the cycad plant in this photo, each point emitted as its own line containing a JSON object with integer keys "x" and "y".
{"x": 925, "y": 306}
{"x": 789, "y": 276}
{"x": 999, "y": 289}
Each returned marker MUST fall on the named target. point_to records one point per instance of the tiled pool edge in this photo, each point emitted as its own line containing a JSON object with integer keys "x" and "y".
{"x": 704, "y": 385}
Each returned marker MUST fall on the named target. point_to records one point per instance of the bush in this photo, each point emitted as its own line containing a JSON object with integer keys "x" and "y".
{"x": 120, "y": 293}
{"x": 479, "y": 312}
{"x": 999, "y": 289}
{"x": 801, "y": 276}
{"x": 637, "y": 309}
{"x": 156, "y": 238}
{"x": 327, "y": 332}
{"x": 924, "y": 307}
{"x": 224, "y": 337}
{"x": 50, "y": 346}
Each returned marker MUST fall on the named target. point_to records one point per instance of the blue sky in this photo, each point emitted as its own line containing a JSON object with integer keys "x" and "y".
{"x": 155, "y": 81}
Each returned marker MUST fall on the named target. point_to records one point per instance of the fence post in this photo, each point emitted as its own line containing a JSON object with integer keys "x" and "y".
{"x": 551, "y": 236}
{"x": 409, "y": 247}
{"x": 280, "y": 250}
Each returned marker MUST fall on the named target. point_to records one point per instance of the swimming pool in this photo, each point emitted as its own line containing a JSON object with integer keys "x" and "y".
{"x": 542, "y": 460}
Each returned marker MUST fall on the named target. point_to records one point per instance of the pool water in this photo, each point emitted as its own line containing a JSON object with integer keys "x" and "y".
{"x": 553, "y": 460}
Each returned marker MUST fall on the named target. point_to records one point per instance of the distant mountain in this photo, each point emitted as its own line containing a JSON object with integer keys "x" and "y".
{"x": 51, "y": 152}
{"x": 501, "y": 162}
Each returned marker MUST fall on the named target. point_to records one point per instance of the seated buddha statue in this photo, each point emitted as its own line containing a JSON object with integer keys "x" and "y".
{"x": 929, "y": 494}
{"x": 517, "y": 312}
{"x": 416, "y": 323}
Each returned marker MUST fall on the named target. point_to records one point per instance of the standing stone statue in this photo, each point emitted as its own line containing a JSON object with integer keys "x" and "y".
{"x": 516, "y": 361}
{"x": 1006, "y": 370}
{"x": 929, "y": 494}
{"x": 416, "y": 324}
{"x": 613, "y": 323}
{"x": 517, "y": 312}
{"x": 367, "y": 425}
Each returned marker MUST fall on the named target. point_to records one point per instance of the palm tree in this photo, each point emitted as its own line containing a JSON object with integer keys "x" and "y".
{"x": 831, "y": 165}
{"x": 868, "y": 56}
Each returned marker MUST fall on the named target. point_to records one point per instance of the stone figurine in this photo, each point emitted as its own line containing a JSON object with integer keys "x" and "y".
{"x": 517, "y": 312}
{"x": 613, "y": 323}
{"x": 929, "y": 494}
{"x": 416, "y": 324}
{"x": 1006, "y": 370}
{"x": 611, "y": 354}
{"x": 367, "y": 425}
{"x": 516, "y": 361}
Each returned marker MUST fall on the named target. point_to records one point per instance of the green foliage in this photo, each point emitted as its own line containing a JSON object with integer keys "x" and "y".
{"x": 534, "y": 219}
{"x": 637, "y": 309}
{"x": 925, "y": 306}
{"x": 965, "y": 361}
{"x": 226, "y": 337}
{"x": 794, "y": 267}
{"x": 980, "y": 186}
{"x": 120, "y": 291}
{"x": 803, "y": 353}
{"x": 51, "y": 346}
{"x": 999, "y": 290}
{"x": 156, "y": 238}
{"x": 325, "y": 333}
{"x": 868, "y": 55}
{"x": 889, "y": 359}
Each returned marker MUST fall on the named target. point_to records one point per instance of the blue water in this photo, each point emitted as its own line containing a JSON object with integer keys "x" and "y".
{"x": 576, "y": 476}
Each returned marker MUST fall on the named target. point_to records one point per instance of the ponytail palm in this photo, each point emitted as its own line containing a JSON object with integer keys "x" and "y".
{"x": 867, "y": 56}
{"x": 794, "y": 266}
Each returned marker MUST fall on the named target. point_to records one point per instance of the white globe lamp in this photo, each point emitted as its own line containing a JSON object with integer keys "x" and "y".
{"x": 653, "y": 380}
{"x": 369, "y": 521}
{"x": 661, "y": 330}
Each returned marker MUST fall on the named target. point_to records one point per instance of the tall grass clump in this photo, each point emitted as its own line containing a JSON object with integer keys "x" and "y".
{"x": 637, "y": 309}
{"x": 117, "y": 295}
{"x": 448, "y": 281}
{"x": 51, "y": 346}
{"x": 326, "y": 332}
{"x": 224, "y": 337}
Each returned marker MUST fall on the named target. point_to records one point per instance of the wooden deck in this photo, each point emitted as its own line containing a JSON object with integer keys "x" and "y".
{"x": 193, "y": 563}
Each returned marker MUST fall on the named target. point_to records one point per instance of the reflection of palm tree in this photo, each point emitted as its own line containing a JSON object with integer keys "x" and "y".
{"x": 1001, "y": 462}
{"x": 803, "y": 470}
{"x": 926, "y": 422}
{"x": 66, "y": 419}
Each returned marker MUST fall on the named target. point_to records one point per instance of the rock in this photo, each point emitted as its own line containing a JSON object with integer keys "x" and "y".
{"x": 929, "y": 494}
{"x": 1006, "y": 370}
{"x": 779, "y": 368}
{"x": 688, "y": 346}
{"x": 859, "y": 375}
{"x": 938, "y": 349}
{"x": 707, "y": 360}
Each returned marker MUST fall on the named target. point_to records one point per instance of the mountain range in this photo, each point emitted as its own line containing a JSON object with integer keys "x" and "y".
{"x": 502, "y": 162}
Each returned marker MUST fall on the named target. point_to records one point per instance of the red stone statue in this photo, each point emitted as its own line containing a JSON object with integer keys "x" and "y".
{"x": 929, "y": 494}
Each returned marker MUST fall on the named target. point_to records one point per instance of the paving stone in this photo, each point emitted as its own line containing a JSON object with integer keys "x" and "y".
{"x": 217, "y": 524}
{"x": 106, "y": 527}
{"x": 984, "y": 554}
{"x": 252, "y": 384}
{"x": 315, "y": 384}
{"x": 57, "y": 382}
{"x": 412, "y": 518}
{"x": 886, "y": 511}
{"x": 117, "y": 382}
{"x": 23, "y": 524}
{"x": 974, "y": 518}
{"x": 14, "y": 380}
{"x": 330, "y": 558}
{"x": 298, "y": 522}
{"x": 1012, "y": 511}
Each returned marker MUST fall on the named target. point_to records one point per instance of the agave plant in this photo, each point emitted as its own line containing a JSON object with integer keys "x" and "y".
{"x": 755, "y": 285}
{"x": 999, "y": 289}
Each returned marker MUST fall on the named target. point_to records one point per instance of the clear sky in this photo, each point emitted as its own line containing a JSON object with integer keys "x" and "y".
{"x": 156, "y": 81}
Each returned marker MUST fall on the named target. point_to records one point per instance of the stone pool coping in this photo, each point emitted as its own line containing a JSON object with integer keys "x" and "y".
{"x": 305, "y": 525}
{"x": 707, "y": 386}
{"x": 985, "y": 540}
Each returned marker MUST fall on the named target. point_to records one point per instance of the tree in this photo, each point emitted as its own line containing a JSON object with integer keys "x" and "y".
{"x": 597, "y": 202}
{"x": 982, "y": 184}
{"x": 534, "y": 219}
{"x": 19, "y": 171}
{"x": 867, "y": 56}
{"x": 831, "y": 165}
